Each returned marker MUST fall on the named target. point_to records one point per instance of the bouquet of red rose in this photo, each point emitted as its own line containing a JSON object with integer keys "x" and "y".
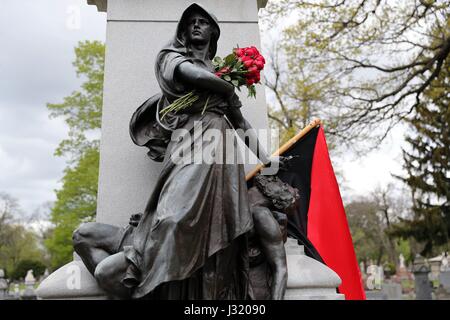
{"x": 242, "y": 67}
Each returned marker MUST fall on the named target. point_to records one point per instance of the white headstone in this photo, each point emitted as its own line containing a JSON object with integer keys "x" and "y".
{"x": 444, "y": 265}
{"x": 401, "y": 258}
{"x": 29, "y": 278}
{"x": 3, "y": 284}
{"x": 375, "y": 276}
{"x": 46, "y": 274}
{"x": 16, "y": 291}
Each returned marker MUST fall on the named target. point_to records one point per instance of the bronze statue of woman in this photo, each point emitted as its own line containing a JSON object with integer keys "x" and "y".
{"x": 191, "y": 241}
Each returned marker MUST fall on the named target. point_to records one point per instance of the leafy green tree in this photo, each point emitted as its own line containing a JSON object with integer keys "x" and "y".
{"x": 20, "y": 244}
{"x": 21, "y": 269}
{"x": 366, "y": 231}
{"x": 17, "y": 240}
{"x": 82, "y": 110}
{"x": 76, "y": 202}
{"x": 371, "y": 219}
{"x": 360, "y": 65}
{"x": 77, "y": 198}
{"x": 8, "y": 208}
{"x": 427, "y": 164}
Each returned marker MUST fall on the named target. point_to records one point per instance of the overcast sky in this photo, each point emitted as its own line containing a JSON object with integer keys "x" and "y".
{"x": 37, "y": 42}
{"x": 36, "y": 54}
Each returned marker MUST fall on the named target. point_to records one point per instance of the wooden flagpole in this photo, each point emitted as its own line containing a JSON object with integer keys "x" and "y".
{"x": 286, "y": 146}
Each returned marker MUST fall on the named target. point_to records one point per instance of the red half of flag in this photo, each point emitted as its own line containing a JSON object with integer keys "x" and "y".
{"x": 327, "y": 223}
{"x": 321, "y": 223}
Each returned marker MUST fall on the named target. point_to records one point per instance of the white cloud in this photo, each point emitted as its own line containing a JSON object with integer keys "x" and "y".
{"x": 36, "y": 68}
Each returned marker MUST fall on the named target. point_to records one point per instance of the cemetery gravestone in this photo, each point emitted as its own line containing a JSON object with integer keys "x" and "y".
{"x": 30, "y": 281}
{"x": 393, "y": 291}
{"x": 3, "y": 285}
{"x": 444, "y": 280}
{"x": 423, "y": 285}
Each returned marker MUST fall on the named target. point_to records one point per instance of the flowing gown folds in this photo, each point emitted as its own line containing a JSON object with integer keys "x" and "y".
{"x": 191, "y": 241}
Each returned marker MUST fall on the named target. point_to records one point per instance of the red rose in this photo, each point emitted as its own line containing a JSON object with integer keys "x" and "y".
{"x": 251, "y": 51}
{"x": 239, "y": 52}
{"x": 250, "y": 81}
{"x": 259, "y": 64}
{"x": 261, "y": 59}
{"x": 219, "y": 74}
{"x": 246, "y": 58}
{"x": 248, "y": 52}
{"x": 255, "y": 50}
{"x": 253, "y": 70}
{"x": 248, "y": 63}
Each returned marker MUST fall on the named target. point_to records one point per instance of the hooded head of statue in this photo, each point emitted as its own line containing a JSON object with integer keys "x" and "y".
{"x": 197, "y": 25}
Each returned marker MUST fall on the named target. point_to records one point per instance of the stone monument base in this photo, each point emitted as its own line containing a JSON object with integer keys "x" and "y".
{"x": 70, "y": 282}
{"x": 308, "y": 279}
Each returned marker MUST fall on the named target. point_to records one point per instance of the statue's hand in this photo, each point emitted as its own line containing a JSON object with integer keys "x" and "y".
{"x": 234, "y": 101}
{"x": 134, "y": 219}
{"x": 286, "y": 162}
{"x": 278, "y": 162}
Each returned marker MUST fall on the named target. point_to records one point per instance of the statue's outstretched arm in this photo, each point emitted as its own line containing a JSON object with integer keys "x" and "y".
{"x": 197, "y": 77}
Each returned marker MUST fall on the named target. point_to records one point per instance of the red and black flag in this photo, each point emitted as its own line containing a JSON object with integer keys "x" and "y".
{"x": 320, "y": 223}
